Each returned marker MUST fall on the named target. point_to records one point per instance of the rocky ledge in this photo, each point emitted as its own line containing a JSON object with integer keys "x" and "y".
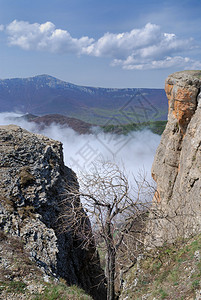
{"x": 177, "y": 164}
{"x": 33, "y": 180}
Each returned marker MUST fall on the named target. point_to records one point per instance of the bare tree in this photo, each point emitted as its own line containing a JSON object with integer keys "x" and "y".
{"x": 117, "y": 213}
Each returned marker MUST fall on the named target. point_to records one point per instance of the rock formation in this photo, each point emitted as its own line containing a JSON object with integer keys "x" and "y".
{"x": 177, "y": 164}
{"x": 33, "y": 179}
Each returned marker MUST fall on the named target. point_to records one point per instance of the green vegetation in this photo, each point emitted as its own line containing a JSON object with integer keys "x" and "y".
{"x": 156, "y": 127}
{"x": 16, "y": 287}
{"x": 115, "y": 116}
{"x": 49, "y": 291}
{"x": 61, "y": 292}
{"x": 169, "y": 272}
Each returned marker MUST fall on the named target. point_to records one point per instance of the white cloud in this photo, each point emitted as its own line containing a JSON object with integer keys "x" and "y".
{"x": 44, "y": 37}
{"x": 136, "y": 64}
{"x": 121, "y": 45}
{"x": 140, "y": 49}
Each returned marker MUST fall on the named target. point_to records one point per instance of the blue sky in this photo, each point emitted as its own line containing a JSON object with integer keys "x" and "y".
{"x": 113, "y": 43}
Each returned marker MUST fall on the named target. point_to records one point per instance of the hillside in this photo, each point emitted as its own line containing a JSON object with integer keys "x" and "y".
{"x": 44, "y": 94}
{"x": 20, "y": 278}
{"x": 77, "y": 125}
{"x": 171, "y": 272}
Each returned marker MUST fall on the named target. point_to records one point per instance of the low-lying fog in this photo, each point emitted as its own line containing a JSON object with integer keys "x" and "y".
{"x": 135, "y": 151}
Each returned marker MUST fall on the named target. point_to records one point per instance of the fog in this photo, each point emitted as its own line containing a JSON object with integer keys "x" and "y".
{"x": 135, "y": 152}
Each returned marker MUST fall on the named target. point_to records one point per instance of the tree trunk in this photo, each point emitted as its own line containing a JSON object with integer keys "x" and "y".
{"x": 111, "y": 256}
{"x": 110, "y": 275}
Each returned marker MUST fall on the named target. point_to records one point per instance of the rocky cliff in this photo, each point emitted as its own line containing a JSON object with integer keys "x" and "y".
{"x": 33, "y": 179}
{"x": 177, "y": 164}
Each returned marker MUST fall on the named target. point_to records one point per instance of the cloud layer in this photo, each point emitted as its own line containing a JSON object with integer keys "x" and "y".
{"x": 134, "y": 153}
{"x": 140, "y": 49}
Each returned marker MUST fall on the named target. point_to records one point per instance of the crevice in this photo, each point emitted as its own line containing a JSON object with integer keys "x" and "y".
{"x": 193, "y": 182}
{"x": 197, "y": 97}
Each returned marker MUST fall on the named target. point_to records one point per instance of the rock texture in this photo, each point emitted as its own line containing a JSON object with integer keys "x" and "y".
{"x": 22, "y": 279}
{"x": 33, "y": 179}
{"x": 177, "y": 164}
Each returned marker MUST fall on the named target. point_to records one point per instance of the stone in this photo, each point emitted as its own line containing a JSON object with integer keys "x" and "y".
{"x": 33, "y": 180}
{"x": 177, "y": 163}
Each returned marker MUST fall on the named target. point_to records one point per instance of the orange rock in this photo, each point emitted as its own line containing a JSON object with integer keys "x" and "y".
{"x": 181, "y": 102}
{"x": 168, "y": 89}
{"x": 157, "y": 197}
{"x": 183, "y": 94}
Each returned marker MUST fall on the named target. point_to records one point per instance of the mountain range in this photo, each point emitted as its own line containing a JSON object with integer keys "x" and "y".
{"x": 45, "y": 94}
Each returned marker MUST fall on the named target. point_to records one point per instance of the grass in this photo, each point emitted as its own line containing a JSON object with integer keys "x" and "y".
{"x": 170, "y": 272}
{"x": 51, "y": 291}
{"x": 16, "y": 287}
{"x": 61, "y": 292}
{"x": 196, "y": 284}
{"x": 163, "y": 294}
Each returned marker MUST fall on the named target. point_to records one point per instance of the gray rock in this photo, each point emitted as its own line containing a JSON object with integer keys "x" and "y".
{"x": 33, "y": 180}
{"x": 177, "y": 164}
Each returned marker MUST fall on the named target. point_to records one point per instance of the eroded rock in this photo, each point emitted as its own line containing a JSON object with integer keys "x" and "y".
{"x": 33, "y": 179}
{"x": 177, "y": 164}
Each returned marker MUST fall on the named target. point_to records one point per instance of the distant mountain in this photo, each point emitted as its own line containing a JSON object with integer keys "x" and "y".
{"x": 77, "y": 125}
{"x": 44, "y": 121}
{"x": 44, "y": 94}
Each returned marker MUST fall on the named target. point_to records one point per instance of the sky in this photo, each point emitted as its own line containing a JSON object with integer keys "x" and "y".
{"x": 113, "y": 43}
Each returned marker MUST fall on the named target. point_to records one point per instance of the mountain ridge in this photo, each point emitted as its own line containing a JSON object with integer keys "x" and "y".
{"x": 44, "y": 94}
{"x": 68, "y": 84}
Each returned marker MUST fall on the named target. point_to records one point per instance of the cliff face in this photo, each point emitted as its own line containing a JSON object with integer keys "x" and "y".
{"x": 177, "y": 164}
{"x": 33, "y": 179}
